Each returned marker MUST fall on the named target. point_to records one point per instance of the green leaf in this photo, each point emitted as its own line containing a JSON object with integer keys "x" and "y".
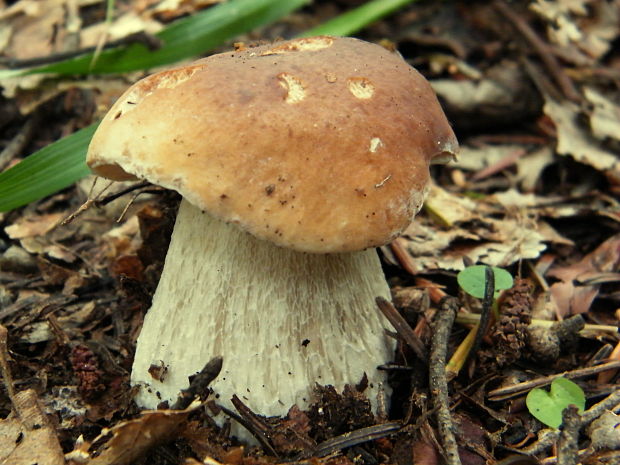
{"x": 472, "y": 280}
{"x": 184, "y": 38}
{"x": 47, "y": 171}
{"x": 547, "y": 407}
{"x": 357, "y": 19}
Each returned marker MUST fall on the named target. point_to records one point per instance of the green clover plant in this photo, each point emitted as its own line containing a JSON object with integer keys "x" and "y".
{"x": 547, "y": 407}
{"x": 473, "y": 280}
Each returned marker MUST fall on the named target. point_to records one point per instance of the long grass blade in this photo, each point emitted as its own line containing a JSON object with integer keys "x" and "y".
{"x": 357, "y": 19}
{"x": 49, "y": 170}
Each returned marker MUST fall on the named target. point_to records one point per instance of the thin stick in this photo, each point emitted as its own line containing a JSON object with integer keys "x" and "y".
{"x": 438, "y": 381}
{"x": 356, "y": 437}
{"x": 518, "y": 389}
{"x": 402, "y": 328}
{"x": 86, "y": 205}
{"x": 474, "y": 318}
{"x": 485, "y": 314}
{"x": 568, "y": 443}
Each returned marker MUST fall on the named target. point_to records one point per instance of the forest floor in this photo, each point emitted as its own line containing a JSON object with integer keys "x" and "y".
{"x": 531, "y": 89}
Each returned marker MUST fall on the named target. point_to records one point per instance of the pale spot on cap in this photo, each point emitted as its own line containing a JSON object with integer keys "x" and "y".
{"x": 361, "y": 87}
{"x": 375, "y": 143}
{"x": 331, "y": 77}
{"x": 294, "y": 88}
{"x": 164, "y": 80}
{"x": 309, "y": 44}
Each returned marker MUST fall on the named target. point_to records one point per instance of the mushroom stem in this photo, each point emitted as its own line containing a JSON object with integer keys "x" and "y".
{"x": 282, "y": 320}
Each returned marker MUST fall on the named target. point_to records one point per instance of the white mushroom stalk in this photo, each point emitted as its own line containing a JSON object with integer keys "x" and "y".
{"x": 282, "y": 320}
{"x": 304, "y": 155}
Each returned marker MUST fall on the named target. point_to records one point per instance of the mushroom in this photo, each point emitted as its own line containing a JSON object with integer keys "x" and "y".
{"x": 295, "y": 160}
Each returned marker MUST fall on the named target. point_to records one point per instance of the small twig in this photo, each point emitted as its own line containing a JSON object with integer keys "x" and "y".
{"x": 402, "y": 328}
{"x": 541, "y": 48}
{"x": 111, "y": 197}
{"x": 520, "y": 388}
{"x": 4, "y": 364}
{"x": 399, "y": 248}
{"x": 485, "y": 314}
{"x": 252, "y": 422}
{"x": 568, "y": 443}
{"x": 61, "y": 336}
{"x": 503, "y": 164}
{"x": 86, "y": 205}
{"x": 354, "y": 438}
{"x": 551, "y": 436}
{"x": 129, "y": 204}
{"x": 438, "y": 381}
{"x": 199, "y": 383}
{"x": 474, "y": 318}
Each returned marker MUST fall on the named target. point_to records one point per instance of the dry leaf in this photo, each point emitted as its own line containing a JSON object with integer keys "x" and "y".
{"x": 38, "y": 28}
{"x": 531, "y": 166}
{"x": 474, "y": 234}
{"x": 572, "y": 298}
{"x": 28, "y": 437}
{"x": 605, "y": 117}
{"x": 449, "y": 208}
{"x": 575, "y": 141}
{"x": 562, "y": 29}
{"x": 129, "y": 440}
{"x": 580, "y": 27}
{"x": 31, "y": 226}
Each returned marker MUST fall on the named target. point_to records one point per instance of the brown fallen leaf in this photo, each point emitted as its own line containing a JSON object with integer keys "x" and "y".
{"x": 31, "y": 226}
{"x": 461, "y": 227}
{"x": 576, "y": 141}
{"x": 571, "y": 297}
{"x": 27, "y": 436}
{"x": 129, "y": 440}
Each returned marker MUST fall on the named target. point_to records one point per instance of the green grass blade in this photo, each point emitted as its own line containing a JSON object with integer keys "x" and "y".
{"x": 182, "y": 39}
{"x": 357, "y": 19}
{"x": 47, "y": 171}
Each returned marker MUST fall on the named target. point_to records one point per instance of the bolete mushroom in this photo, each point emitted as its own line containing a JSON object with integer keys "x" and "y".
{"x": 294, "y": 160}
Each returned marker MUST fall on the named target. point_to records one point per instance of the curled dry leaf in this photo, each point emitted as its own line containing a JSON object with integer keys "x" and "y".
{"x": 129, "y": 440}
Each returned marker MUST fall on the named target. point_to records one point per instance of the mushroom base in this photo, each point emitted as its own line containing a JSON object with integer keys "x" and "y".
{"x": 282, "y": 320}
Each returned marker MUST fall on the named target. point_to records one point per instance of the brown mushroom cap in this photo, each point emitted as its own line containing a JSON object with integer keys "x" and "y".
{"x": 319, "y": 144}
